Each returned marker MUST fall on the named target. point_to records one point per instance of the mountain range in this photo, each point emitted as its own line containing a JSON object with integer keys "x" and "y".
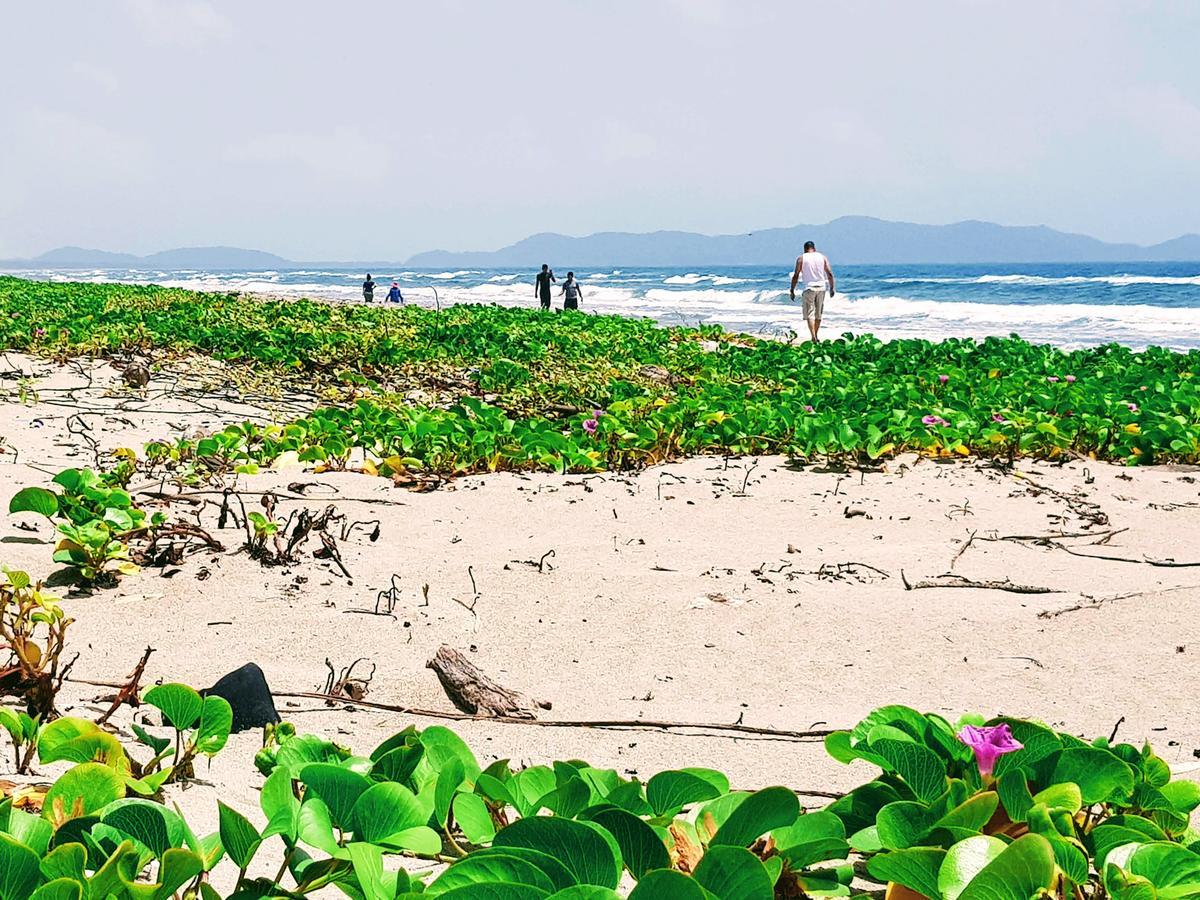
{"x": 848, "y": 240}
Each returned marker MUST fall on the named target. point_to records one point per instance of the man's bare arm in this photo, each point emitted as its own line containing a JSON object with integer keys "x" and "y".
{"x": 795, "y": 279}
{"x": 832, "y": 280}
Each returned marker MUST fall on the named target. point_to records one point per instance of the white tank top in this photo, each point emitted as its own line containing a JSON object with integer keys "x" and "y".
{"x": 812, "y": 269}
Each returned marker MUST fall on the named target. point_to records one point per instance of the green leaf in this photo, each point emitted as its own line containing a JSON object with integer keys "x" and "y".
{"x": 314, "y": 825}
{"x": 641, "y": 847}
{"x": 383, "y": 810}
{"x": 449, "y": 778}
{"x": 903, "y": 824}
{"x": 1100, "y": 775}
{"x": 1024, "y": 869}
{"x": 239, "y": 838}
{"x": 922, "y": 769}
{"x": 78, "y": 740}
{"x": 280, "y": 805}
{"x": 216, "y": 719}
{"x": 669, "y": 792}
{"x": 964, "y": 861}
{"x": 19, "y": 872}
{"x": 65, "y": 861}
{"x": 150, "y": 824}
{"x": 589, "y": 852}
{"x": 1173, "y": 870}
{"x": 916, "y": 868}
{"x": 337, "y": 787}
{"x": 497, "y": 867}
{"x": 36, "y": 500}
{"x": 734, "y": 873}
{"x": 496, "y": 891}
{"x": 59, "y": 889}
{"x": 666, "y": 884}
{"x": 1061, "y": 796}
{"x": 178, "y": 867}
{"x": 83, "y": 790}
{"x": 558, "y": 874}
{"x": 180, "y": 704}
{"x": 472, "y": 815}
{"x": 585, "y": 892}
{"x": 762, "y": 811}
{"x": 1184, "y": 796}
{"x": 1013, "y": 788}
{"x": 32, "y": 831}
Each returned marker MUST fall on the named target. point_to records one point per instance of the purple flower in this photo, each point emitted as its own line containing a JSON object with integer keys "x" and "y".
{"x": 996, "y": 417}
{"x": 1133, "y": 407}
{"x": 1070, "y": 379}
{"x": 1052, "y": 379}
{"x": 808, "y": 408}
{"x": 39, "y": 332}
{"x": 943, "y": 378}
{"x": 590, "y": 426}
{"x": 935, "y": 420}
{"x": 989, "y": 742}
{"x": 597, "y": 413}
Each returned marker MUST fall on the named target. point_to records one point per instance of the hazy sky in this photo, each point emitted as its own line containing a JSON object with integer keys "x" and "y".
{"x": 354, "y": 130}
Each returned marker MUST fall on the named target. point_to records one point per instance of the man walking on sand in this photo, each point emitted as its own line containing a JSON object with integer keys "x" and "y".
{"x": 814, "y": 269}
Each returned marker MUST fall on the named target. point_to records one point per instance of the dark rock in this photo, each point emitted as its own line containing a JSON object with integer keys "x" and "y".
{"x": 247, "y": 692}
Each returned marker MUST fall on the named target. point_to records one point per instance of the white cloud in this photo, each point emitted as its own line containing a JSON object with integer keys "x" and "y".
{"x": 345, "y": 153}
{"x": 1162, "y": 112}
{"x": 95, "y": 75}
{"x": 186, "y": 22}
{"x": 702, "y": 12}
{"x": 620, "y": 142}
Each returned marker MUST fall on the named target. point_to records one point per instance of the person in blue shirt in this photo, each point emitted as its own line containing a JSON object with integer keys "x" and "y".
{"x": 394, "y": 295}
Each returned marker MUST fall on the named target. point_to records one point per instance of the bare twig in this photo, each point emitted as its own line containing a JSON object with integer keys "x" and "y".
{"x": 958, "y": 581}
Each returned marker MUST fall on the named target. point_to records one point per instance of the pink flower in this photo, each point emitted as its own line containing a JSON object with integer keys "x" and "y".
{"x": 1133, "y": 407}
{"x": 590, "y": 426}
{"x": 597, "y": 413}
{"x": 996, "y": 417}
{"x": 935, "y": 420}
{"x": 39, "y": 332}
{"x": 1052, "y": 379}
{"x": 1070, "y": 379}
{"x": 808, "y": 408}
{"x": 943, "y": 378}
{"x": 989, "y": 742}
{"x": 1144, "y": 388}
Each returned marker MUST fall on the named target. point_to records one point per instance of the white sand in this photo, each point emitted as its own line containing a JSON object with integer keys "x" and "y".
{"x": 672, "y": 595}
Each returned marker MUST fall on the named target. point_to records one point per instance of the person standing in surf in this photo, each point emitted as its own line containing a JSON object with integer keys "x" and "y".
{"x": 571, "y": 292}
{"x": 369, "y": 289}
{"x": 813, "y": 268}
{"x": 541, "y": 288}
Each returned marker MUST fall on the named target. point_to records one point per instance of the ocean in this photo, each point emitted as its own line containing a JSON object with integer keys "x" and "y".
{"x": 1069, "y": 305}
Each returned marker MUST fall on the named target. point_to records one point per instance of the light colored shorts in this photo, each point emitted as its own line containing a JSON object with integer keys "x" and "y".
{"x": 814, "y": 303}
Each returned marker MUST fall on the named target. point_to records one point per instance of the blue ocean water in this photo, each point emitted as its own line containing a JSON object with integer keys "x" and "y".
{"x": 1070, "y": 305}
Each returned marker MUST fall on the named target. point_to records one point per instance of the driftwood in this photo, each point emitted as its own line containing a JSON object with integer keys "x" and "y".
{"x": 958, "y": 581}
{"x": 697, "y": 729}
{"x": 473, "y": 692}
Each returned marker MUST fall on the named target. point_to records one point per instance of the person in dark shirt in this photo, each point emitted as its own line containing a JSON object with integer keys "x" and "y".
{"x": 369, "y": 289}
{"x": 571, "y": 292}
{"x": 542, "y": 289}
{"x": 394, "y": 295}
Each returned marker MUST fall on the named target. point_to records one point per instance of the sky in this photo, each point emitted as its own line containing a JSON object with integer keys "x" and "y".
{"x": 376, "y": 129}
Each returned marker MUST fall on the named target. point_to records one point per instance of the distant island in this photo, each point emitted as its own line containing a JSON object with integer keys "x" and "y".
{"x": 848, "y": 240}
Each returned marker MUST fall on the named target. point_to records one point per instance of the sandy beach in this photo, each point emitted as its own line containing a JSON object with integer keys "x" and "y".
{"x": 711, "y": 590}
